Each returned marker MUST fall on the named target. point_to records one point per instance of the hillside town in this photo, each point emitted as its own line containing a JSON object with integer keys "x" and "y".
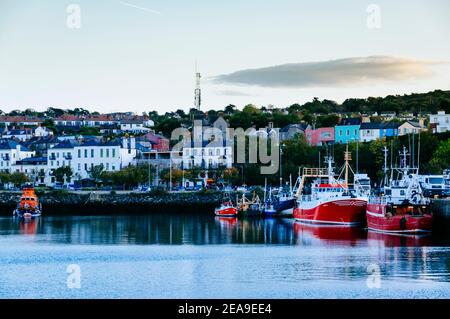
{"x": 72, "y": 149}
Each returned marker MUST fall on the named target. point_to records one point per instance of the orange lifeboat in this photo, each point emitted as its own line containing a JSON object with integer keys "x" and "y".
{"x": 29, "y": 206}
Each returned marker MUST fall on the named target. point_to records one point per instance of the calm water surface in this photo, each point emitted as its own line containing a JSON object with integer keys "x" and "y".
{"x": 198, "y": 256}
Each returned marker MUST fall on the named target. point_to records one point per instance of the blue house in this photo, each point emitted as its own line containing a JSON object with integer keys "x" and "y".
{"x": 348, "y": 130}
{"x": 389, "y": 129}
{"x": 373, "y": 131}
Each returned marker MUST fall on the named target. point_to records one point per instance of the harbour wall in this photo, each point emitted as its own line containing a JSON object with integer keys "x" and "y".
{"x": 441, "y": 209}
{"x": 106, "y": 203}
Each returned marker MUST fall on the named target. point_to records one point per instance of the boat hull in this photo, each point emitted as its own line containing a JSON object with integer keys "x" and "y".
{"x": 226, "y": 212}
{"x": 378, "y": 220}
{"x": 344, "y": 212}
{"x": 26, "y": 214}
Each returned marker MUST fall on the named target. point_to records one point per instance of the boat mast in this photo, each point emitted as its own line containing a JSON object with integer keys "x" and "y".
{"x": 347, "y": 158}
{"x": 385, "y": 165}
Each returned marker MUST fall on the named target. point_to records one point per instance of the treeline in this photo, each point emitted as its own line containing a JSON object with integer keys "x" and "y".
{"x": 320, "y": 113}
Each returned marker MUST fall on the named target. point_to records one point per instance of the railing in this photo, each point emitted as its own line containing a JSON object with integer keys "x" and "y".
{"x": 315, "y": 171}
{"x": 378, "y": 200}
{"x": 306, "y": 198}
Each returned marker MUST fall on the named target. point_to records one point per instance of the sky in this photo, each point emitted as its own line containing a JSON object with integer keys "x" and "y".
{"x": 141, "y": 55}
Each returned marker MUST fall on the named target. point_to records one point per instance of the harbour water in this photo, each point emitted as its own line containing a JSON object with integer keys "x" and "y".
{"x": 201, "y": 256}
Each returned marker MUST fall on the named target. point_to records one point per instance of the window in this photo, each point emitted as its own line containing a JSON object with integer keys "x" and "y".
{"x": 85, "y": 153}
{"x": 114, "y": 152}
{"x": 79, "y": 153}
{"x": 348, "y": 132}
{"x": 79, "y": 166}
{"x": 107, "y": 152}
{"x": 92, "y": 153}
{"x": 107, "y": 166}
{"x": 85, "y": 167}
{"x": 101, "y": 152}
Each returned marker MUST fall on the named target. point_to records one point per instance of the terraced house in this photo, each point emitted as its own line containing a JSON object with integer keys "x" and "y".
{"x": 81, "y": 157}
{"x": 10, "y": 153}
{"x": 348, "y": 130}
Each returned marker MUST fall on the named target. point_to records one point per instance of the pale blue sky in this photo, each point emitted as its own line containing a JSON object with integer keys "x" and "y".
{"x": 126, "y": 58}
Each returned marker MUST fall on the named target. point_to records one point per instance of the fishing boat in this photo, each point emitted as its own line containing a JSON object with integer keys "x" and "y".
{"x": 402, "y": 207}
{"x": 251, "y": 207}
{"x": 29, "y": 206}
{"x": 226, "y": 209}
{"x": 279, "y": 202}
{"x": 331, "y": 200}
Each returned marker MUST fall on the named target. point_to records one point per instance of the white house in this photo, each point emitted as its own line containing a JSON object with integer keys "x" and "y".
{"x": 82, "y": 157}
{"x": 440, "y": 122}
{"x": 369, "y": 132}
{"x": 42, "y": 131}
{"x": 35, "y": 168}
{"x": 11, "y": 152}
{"x": 133, "y": 126}
{"x": 209, "y": 155}
{"x": 21, "y": 135}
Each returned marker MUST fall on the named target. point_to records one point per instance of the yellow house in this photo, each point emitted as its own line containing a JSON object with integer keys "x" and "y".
{"x": 410, "y": 127}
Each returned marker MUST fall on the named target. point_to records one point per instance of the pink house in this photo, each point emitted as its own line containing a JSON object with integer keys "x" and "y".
{"x": 320, "y": 136}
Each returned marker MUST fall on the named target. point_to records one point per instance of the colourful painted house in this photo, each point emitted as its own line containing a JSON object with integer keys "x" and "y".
{"x": 348, "y": 130}
{"x": 320, "y": 136}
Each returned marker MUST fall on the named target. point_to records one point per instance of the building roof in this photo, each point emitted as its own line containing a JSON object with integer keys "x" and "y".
{"x": 300, "y": 126}
{"x": 350, "y": 121}
{"x": 379, "y": 125}
{"x": 12, "y": 145}
{"x": 371, "y": 126}
{"x": 66, "y": 144}
{"x": 18, "y": 132}
{"x": 69, "y": 144}
{"x": 20, "y": 119}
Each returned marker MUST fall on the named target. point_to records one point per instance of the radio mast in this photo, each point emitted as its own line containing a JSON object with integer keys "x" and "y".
{"x": 198, "y": 90}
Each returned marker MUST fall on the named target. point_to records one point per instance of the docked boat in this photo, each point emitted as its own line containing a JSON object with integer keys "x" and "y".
{"x": 253, "y": 207}
{"x": 226, "y": 209}
{"x": 29, "y": 206}
{"x": 402, "y": 208}
{"x": 331, "y": 200}
{"x": 279, "y": 202}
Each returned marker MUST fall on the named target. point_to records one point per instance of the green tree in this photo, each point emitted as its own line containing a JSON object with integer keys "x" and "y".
{"x": 63, "y": 174}
{"x": 441, "y": 157}
{"x": 18, "y": 179}
{"x": 96, "y": 172}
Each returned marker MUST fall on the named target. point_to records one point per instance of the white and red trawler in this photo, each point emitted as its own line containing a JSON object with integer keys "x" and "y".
{"x": 402, "y": 208}
{"x": 226, "y": 209}
{"x": 331, "y": 201}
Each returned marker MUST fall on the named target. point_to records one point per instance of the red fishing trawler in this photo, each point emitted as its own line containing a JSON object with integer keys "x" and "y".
{"x": 402, "y": 208}
{"x": 226, "y": 209}
{"x": 331, "y": 201}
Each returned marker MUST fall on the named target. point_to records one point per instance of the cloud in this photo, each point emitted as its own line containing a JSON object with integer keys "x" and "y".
{"x": 333, "y": 73}
{"x": 230, "y": 92}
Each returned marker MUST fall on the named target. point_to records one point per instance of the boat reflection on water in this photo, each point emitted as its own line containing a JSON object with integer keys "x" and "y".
{"x": 398, "y": 240}
{"x": 343, "y": 236}
{"x": 28, "y": 226}
{"x": 227, "y": 222}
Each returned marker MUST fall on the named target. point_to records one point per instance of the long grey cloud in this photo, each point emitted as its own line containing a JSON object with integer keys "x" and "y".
{"x": 342, "y": 72}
